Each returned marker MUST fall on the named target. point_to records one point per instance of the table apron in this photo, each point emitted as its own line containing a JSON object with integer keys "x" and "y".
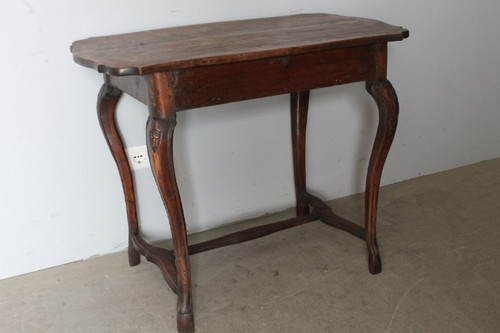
{"x": 232, "y": 82}
{"x": 218, "y": 84}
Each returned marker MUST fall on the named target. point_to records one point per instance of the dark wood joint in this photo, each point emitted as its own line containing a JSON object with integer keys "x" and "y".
{"x": 380, "y": 55}
{"x": 133, "y": 85}
{"x": 162, "y": 88}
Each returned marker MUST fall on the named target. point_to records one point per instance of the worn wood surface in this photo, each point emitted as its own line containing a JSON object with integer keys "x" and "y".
{"x": 231, "y": 82}
{"x": 299, "y": 106}
{"x": 151, "y": 51}
{"x": 176, "y": 69}
{"x": 106, "y": 111}
{"x": 388, "y": 106}
{"x": 224, "y": 83}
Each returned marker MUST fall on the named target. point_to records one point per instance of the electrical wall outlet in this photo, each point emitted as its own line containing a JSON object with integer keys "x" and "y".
{"x": 138, "y": 157}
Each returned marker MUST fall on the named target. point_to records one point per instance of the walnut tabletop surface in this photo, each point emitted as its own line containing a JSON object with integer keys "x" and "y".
{"x": 146, "y": 52}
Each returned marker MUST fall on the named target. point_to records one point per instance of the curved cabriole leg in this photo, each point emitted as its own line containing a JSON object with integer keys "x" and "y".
{"x": 299, "y": 103}
{"x": 160, "y": 143}
{"x": 106, "y": 106}
{"x": 387, "y": 102}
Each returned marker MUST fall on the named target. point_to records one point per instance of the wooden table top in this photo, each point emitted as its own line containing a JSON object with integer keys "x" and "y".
{"x": 160, "y": 50}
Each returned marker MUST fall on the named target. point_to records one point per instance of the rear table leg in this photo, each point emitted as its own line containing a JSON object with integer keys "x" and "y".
{"x": 387, "y": 102}
{"x": 106, "y": 107}
{"x": 299, "y": 103}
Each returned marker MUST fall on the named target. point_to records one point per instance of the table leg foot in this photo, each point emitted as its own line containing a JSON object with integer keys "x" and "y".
{"x": 387, "y": 102}
{"x": 185, "y": 322}
{"x": 374, "y": 262}
{"x": 134, "y": 257}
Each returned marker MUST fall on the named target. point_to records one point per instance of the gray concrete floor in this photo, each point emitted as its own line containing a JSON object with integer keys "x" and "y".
{"x": 439, "y": 238}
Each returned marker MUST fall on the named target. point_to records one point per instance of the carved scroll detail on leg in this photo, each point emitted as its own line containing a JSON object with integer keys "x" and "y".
{"x": 299, "y": 103}
{"x": 387, "y": 102}
{"x": 106, "y": 106}
{"x": 155, "y": 137}
{"x": 160, "y": 146}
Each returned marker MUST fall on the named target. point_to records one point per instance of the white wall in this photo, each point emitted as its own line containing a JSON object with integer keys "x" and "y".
{"x": 60, "y": 194}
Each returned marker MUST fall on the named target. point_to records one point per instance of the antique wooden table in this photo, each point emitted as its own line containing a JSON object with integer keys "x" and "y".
{"x": 176, "y": 69}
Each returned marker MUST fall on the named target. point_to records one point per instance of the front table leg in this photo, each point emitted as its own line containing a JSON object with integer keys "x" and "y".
{"x": 387, "y": 102}
{"x": 160, "y": 133}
